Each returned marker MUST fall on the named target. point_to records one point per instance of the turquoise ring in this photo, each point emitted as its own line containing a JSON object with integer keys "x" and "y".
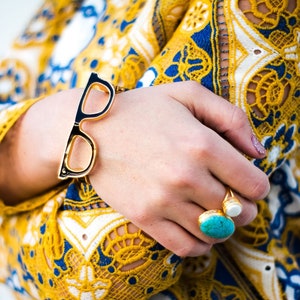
{"x": 215, "y": 224}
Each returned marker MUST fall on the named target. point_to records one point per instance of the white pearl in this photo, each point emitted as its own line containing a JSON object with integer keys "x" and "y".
{"x": 232, "y": 209}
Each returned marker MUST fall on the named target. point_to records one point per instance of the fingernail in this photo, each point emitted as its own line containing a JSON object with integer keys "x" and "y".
{"x": 258, "y": 146}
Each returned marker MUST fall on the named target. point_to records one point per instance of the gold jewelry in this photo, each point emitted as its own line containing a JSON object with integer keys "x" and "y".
{"x": 231, "y": 205}
{"x": 70, "y": 167}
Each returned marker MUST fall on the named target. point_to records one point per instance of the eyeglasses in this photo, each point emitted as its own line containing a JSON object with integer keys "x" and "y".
{"x": 74, "y": 165}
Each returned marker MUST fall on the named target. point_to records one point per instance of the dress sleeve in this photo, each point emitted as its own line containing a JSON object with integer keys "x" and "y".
{"x": 20, "y": 69}
{"x": 8, "y": 117}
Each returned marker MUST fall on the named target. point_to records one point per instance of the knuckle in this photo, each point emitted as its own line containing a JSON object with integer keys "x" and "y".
{"x": 163, "y": 201}
{"x": 248, "y": 214}
{"x": 177, "y": 174}
{"x": 181, "y": 172}
{"x": 160, "y": 198}
{"x": 193, "y": 248}
{"x": 251, "y": 214}
{"x": 198, "y": 144}
{"x": 142, "y": 216}
{"x": 187, "y": 250}
{"x": 260, "y": 188}
{"x": 191, "y": 88}
{"x": 238, "y": 117}
{"x": 178, "y": 178}
{"x": 192, "y": 85}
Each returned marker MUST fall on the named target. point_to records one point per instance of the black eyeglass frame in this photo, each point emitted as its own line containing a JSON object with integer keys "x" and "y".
{"x": 65, "y": 171}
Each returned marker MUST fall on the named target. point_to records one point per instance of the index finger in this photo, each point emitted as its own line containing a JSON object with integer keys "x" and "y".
{"x": 218, "y": 114}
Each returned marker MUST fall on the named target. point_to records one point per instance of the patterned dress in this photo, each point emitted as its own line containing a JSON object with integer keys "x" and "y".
{"x": 68, "y": 243}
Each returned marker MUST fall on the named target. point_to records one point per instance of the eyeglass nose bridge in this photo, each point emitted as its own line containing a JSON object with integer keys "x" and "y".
{"x": 66, "y": 171}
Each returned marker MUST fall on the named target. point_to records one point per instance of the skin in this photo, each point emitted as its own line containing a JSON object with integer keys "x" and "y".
{"x": 168, "y": 151}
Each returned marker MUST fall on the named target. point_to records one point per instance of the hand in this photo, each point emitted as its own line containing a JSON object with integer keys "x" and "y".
{"x": 165, "y": 155}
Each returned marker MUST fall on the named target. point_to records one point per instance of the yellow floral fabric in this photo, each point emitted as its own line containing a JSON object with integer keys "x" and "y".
{"x": 68, "y": 243}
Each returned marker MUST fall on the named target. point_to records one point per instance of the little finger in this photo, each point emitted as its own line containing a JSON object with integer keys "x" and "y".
{"x": 178, "y": 240}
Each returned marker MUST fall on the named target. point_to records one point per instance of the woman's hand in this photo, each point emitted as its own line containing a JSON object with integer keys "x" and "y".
{"x": 165, "y": 156}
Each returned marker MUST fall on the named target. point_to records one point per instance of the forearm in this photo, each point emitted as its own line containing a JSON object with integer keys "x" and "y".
{"x": 30, "y": 152}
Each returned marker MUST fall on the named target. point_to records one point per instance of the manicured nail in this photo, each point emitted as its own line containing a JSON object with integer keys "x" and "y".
{"x": 258, "y": 146}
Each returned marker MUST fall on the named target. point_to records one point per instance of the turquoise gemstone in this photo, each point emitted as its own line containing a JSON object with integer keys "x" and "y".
{"x": 217, "y": 226}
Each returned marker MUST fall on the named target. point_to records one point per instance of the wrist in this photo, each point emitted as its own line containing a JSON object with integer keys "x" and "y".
{"x": 80, "y": 152}
{"x": 34, "y": 146}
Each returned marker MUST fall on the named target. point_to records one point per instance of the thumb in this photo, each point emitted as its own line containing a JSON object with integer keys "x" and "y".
{"x": 218, "y": 114}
